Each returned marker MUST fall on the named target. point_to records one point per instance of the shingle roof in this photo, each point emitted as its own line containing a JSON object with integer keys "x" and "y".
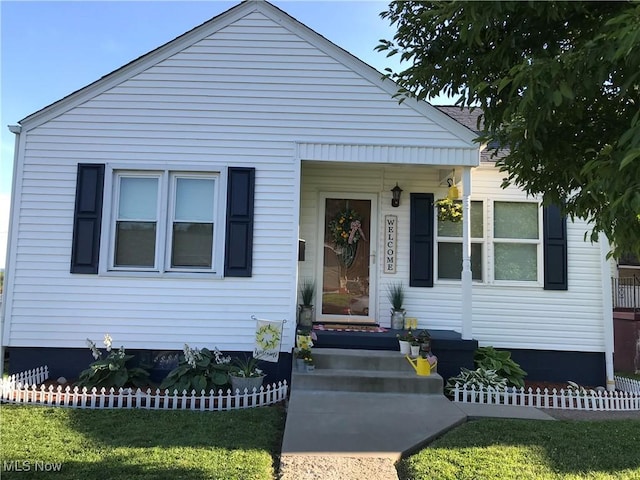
{"x": 469, "y": 119}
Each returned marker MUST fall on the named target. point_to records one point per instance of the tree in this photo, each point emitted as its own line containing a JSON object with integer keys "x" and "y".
{"x": 559, "y": 88}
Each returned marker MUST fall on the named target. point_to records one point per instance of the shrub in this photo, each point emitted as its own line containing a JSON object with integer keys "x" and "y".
{"x": 199, "y": 369}
{"x": 115, "y": 370}
{"x": 500, "y": 361}
{"x": 480, "y": 377}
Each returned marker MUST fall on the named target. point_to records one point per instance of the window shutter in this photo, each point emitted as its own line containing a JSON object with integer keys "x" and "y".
{"x": 555, "y": 248}
{"x": 239, "y": 235}
{"x": 421, "y": 240}
{"x": 85, "y": 246}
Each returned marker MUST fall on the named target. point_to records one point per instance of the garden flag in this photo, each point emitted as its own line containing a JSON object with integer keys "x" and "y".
{"x": 268, "y": 339}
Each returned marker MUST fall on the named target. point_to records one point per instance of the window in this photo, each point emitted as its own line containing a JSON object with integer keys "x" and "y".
{"x": 450, "y": 246}
{"x": 516, "y": 241}
{"x": 136, "y": 222}
{"x": 511, "y": 243}
{"x": 164, "y": 221}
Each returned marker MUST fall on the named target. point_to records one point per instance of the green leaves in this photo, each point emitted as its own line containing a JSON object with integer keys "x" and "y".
{"x": 559, "y": 86}
{"x": 500, "y": 361}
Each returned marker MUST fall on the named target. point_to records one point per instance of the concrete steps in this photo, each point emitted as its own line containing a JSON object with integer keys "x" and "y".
{"x": 375, "y": 371}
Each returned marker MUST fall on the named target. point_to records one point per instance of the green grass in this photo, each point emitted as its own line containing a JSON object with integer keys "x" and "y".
{"x": 520, "y": 449}
{"x": 138, "y": 444}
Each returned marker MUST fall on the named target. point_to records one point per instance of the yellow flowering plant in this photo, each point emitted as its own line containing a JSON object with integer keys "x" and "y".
{"x": 448, "y": 210}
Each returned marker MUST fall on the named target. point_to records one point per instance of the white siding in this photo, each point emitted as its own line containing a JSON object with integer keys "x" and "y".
{"x": 244, "y": 95}
{"x": 503, "y": 316}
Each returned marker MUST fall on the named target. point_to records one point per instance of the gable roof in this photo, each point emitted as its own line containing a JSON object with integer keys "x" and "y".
{"x": 217, "y": 23}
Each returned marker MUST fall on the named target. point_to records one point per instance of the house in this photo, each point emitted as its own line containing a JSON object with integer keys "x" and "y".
{"x": 164, "y": 203}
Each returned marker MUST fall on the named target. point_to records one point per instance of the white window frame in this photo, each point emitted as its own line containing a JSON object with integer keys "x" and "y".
{"x": 492, "y": 241}
{"x": 173, "y": 181}
{"x": 488, "y": 246}
{"x": 166, "y": 201}
{"x": 474, "y": 240}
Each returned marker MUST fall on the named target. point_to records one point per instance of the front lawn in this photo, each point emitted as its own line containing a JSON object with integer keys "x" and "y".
{"x": 521, "y": 449}
{"x": 139, "y": 444}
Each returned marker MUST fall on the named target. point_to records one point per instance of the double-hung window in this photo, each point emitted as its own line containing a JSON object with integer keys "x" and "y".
{"x": 516, "y": 241}
{"x": 507, "y": 247}
{"x": 164, "y": 221}
{"x": 450, "y": 246}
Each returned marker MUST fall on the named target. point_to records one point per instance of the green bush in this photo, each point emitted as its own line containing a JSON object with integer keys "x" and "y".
{"x": 199, "y": 369}
{"x": 481, "y": 377}
{"x": 500, "y": 360}
{"x": 115, "y": 370}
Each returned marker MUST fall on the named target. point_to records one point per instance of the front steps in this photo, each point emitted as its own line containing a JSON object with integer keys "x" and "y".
{"x": 374, "y": 371}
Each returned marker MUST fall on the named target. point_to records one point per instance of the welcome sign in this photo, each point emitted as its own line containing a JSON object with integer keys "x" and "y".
{"x": 268, "y": 339}
{"x": 390, "y": 230}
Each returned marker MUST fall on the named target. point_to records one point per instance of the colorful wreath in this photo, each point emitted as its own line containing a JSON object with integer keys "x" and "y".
{"x": 448, "y": 210}
{"x": 346, "y": 228}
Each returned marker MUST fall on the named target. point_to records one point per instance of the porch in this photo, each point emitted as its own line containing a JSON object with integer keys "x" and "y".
{"x": 452, "y": 350}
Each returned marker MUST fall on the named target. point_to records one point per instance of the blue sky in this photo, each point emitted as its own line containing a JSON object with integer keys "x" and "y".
{"x": 51, "y": 49}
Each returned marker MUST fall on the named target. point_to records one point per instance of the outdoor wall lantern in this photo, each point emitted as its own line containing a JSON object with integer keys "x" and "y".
{"x": 396, "y": 191}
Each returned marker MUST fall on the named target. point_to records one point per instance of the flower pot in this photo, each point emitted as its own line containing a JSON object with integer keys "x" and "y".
{"x": 405, "y": 347}
{"x": 415, "y": 350}
{"x": 248, "y": 383}
{"x": 397, "y": 319}
{"x": 300, "y": 367}
{"x": 310, "y": 368}
{"x": 305, "y": 316}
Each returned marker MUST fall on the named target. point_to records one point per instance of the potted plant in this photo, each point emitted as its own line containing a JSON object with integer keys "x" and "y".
{"x": 301, "y": 355}
{"x": 309, "y": 364}
{"x": 245, "y": 374}
{"x": 448, "y": 210}
{"x": 424, "y": 339}
{"x": 395, "y": 294}
{"x": 405, "y": 340}
{"x": 307, "y": 291}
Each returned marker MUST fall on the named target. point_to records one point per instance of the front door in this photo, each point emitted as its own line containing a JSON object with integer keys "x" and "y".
{"x": 347, "y": 283}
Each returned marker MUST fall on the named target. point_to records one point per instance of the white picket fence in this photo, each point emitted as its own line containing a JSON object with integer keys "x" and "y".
{"x": 22, "y": 388}
{"x": 626, "y": 398}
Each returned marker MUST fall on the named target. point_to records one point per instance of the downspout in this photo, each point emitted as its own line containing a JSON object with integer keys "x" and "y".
{"x": 607, "y": 310}
{"x": 15, "y": 129}
{"x": 466, "y": 279}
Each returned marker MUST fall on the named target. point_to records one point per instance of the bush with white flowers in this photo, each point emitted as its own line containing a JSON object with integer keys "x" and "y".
{"x": 115, "y": 370}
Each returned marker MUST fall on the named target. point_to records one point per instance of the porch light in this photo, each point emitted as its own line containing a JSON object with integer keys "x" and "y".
{"x": 396, "y": 191}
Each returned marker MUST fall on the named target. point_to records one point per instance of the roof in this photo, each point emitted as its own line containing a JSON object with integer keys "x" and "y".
{"x": 222, "y": 20}
{"x": 470, "y": 118}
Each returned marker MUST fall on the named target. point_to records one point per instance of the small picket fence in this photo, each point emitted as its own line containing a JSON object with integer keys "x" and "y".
{"x": 22, "y": 388}
{"x": 626, "y": 398}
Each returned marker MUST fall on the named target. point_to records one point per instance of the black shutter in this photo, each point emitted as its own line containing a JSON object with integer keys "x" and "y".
{"x": 239, "y": 235}
{"x": 555, "y": 248}
{"x": 85, "y": 246}
{"x": 421, "y": 240}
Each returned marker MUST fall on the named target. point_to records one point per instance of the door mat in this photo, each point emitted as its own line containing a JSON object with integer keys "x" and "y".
{"x": 349, "y": 328}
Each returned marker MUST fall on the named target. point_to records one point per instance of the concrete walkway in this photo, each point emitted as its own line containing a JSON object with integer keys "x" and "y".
{"x": 382, "y": 425}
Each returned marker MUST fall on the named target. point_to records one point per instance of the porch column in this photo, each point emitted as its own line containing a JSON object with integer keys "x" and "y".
{"x": 467, "y": 326}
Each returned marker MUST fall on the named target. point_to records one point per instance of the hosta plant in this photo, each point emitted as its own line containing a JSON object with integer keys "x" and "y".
{"x": 115, "y": 370}
{"x": 500, "y": 360}
{"x": 199, "y": 369}
{"x": 480, "y": 377}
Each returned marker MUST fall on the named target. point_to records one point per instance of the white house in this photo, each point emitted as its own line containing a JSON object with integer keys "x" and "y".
{"x": 164, "y": 204}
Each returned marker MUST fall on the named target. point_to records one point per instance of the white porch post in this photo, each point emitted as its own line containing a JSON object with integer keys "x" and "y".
{"x": 467, "y": 324}
{"x": 607, "y": 311}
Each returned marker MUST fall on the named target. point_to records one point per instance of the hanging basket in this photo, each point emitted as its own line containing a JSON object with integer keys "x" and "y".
{"x": 448, "y": 210}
